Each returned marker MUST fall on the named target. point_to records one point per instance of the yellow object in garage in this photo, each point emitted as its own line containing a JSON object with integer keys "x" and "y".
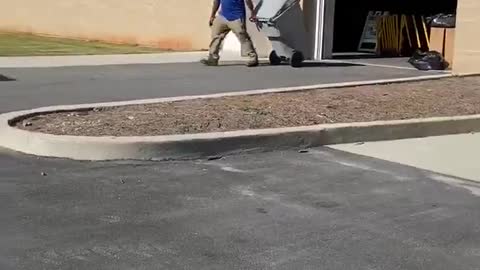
{"x": 392, "y": 30}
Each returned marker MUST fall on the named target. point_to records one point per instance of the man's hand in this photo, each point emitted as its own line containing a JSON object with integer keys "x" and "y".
{"x": 251, "y": 7}
{"x": 216, "y": 6}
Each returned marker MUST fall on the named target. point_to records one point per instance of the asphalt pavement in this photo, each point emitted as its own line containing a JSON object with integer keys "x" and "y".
{"x": 36, "y": 87}
{"x": 324, "y": 209}
{"x": 281, "y": 210}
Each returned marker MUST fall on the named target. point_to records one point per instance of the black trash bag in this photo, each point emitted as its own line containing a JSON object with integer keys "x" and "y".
{"x": 431, "y": 60}
{"x": 442, "y": 20}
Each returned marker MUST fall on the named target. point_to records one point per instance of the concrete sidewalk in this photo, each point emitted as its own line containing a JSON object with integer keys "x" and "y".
{"x": 103, "y": 60}
{"x": 455, "y": 155}
{"x": 171, "y": 58}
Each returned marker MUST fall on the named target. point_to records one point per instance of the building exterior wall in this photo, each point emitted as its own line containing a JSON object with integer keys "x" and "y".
{"x": 182, "y": 25}
{"x": 169, "y": 24}
{"x": 467, "y": 38}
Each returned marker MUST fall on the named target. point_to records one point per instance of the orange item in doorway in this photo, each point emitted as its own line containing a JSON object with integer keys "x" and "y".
{"x": 442, "y": 40}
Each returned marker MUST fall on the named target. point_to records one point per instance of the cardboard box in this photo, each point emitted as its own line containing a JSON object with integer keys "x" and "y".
{"x": 449, "y": 46}
{"x": 442, "y": 40}
{"x": 437, "y": 39}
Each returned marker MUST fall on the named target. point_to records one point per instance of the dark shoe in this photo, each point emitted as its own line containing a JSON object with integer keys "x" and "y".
{"x": 209, "y": 62}
{"x": 252, "y": 63}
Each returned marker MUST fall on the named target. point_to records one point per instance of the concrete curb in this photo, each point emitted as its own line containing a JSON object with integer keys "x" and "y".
{"x": 193, "y": 146}
{"x": 226, "y": 143}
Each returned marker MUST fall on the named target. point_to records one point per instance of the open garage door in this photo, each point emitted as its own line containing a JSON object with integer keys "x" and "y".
{"x": 350, "y": 16}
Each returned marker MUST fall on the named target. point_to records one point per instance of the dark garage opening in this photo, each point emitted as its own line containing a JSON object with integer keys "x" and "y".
{"x": 350, "y": 17}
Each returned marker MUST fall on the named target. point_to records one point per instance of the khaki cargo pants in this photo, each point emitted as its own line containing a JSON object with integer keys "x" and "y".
{"x": 221, "y": 27}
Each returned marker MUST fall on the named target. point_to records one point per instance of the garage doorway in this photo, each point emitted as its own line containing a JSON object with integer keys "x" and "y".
{"x": 341, "y": 24}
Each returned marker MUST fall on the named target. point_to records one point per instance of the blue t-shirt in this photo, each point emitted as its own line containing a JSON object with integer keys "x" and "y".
{"x": 232, "y": 9}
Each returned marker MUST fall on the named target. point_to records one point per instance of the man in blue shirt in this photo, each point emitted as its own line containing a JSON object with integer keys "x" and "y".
{"x": 231, "y": 18}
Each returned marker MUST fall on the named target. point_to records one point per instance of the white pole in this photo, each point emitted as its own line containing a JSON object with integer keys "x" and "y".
{"x": 319, "y": 28}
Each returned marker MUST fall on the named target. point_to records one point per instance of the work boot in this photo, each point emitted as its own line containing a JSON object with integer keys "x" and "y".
{"x": 209, "y": 62}
{"x": 252, "y": 62}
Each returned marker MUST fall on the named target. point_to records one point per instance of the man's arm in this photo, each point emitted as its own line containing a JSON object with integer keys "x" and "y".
{"x": 216, "y": 6}
{"x": 251, "y": 7}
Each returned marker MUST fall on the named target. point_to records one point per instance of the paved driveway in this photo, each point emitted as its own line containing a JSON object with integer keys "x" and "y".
{"x": 280, "y": 210}
{"x": 66, "y": 85}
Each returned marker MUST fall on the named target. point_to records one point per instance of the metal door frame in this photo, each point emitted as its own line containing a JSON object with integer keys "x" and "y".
{"x": 324, "y": 27}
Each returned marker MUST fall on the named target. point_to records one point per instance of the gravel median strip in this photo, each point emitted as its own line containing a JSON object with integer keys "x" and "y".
{"x": 436, "y": 98}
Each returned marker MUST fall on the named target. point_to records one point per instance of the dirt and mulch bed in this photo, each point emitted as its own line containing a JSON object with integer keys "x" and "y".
{"x": 446, "y": 97}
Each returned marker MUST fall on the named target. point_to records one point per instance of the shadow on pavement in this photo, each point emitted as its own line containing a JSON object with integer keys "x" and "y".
{"x": 330, "y": 64}
{"x": 5, "y": 78}
{"x": 307, "y": 64}
{"x": 362, "y": 56}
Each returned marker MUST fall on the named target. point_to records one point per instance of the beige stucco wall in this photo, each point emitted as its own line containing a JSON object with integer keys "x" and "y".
{"x": 467, "y": 38}
{"x": 181, "y": 25}
{"x": 169, "y": 24}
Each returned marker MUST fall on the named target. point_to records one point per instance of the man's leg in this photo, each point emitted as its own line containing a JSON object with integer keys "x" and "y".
{"x": 239, "y": 27}
{"x": 220, "y": 30}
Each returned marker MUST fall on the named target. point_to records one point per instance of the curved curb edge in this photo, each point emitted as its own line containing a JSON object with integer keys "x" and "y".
{"x": 192, "y": 146}
{"x": 226, "y": 143}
